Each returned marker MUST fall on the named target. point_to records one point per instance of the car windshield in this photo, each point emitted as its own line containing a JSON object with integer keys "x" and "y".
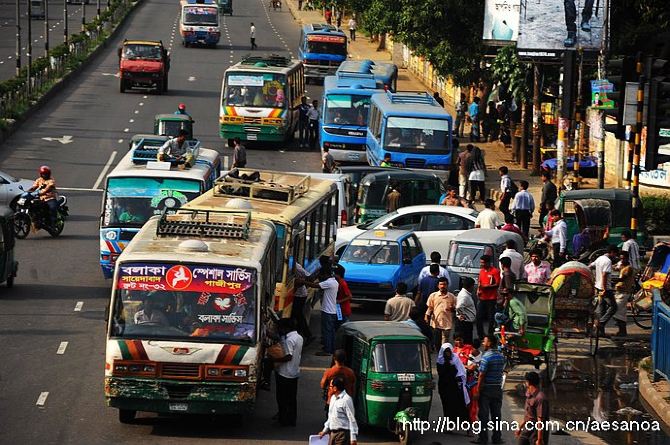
{"x": 400, "y": 357}
{"x": 9, "y": 177}
{"x": 364, "y": 251}
{"x": 184, "y": 302}
{"x": 412, "y": 192}
{"x": 407, "y": 134}
{"x": 137, "y": 51}
{"x": 322, "y": 44}
{"x": 255, "y": 90}
{"x": 201, "y": 15}
{"x": 467, "y": 255}
{"x": 130, "y": 202}
{"x": 347, "y": 109}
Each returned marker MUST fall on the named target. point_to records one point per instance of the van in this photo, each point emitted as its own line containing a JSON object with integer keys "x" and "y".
{"x": 346, "y": 203}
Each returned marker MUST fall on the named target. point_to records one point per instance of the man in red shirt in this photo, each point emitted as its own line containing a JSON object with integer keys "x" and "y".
{"x": 343, "y": 296}
{"x": 487, "y": 291}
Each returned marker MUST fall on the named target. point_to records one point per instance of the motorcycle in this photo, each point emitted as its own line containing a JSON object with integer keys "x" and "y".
{"x": 30, "y": 210}
{"x": 275, "y": 4}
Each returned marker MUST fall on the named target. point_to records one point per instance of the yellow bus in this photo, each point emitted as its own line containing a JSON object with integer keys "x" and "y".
{"x": 188, "y": 315}
{"x": 304, "y": 211}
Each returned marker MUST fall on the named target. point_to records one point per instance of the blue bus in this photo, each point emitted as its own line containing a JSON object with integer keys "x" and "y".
{"x": 384, "y": 73}
{"x": 414, "y": 129}
{"x": 345, "y": 105}
{"x": 322, "y": 49}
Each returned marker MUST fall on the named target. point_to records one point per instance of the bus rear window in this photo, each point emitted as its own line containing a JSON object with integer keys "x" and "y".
{"x": 320, "y": 44}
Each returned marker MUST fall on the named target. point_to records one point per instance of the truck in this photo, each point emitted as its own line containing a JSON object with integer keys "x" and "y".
{"x": 143, "y": 64}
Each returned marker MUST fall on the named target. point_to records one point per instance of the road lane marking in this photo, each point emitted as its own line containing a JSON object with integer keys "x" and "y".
{"x": 126, "y": 130}
{"x": 105, "y": 169}
{"x": 120, "y": 141}
{"x": 78, "y": 306}
{"x": 42, "y": 399}
{"x": 61, "y": 348}
{"x": 78, "y": 189}
{"x": 141, "y": 104}
{"x": 131, "y": 120}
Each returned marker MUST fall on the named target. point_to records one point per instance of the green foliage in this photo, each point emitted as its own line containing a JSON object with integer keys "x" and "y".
{"x": 636, "y": 22}
{"x": 511, "y": 72}
{"x": 656, "y": 214}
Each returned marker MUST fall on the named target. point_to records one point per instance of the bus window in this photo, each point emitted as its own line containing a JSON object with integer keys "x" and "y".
{"x": 416, "y": 133}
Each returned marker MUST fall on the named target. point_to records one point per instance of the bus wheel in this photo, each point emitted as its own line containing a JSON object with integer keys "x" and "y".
{"x": 127, "y": 415}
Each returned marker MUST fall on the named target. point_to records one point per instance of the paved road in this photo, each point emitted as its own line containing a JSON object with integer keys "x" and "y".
{"x": 56, "y": 25}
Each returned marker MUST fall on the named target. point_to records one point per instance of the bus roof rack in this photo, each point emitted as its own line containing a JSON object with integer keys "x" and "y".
{"x": 268, "y": 59}
{"x": 262, "y": 185}
{"x": 205, "y": 223}
{"x": 411, "y": 97}
{"x": 146, "y": 149}
{"x": 349, "y": 79}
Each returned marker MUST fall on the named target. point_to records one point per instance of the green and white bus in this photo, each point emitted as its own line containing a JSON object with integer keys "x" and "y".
{"x": 259, "y": 96}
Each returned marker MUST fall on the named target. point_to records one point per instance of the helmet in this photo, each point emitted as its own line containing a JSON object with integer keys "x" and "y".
{"x": 182, "y": 107}
{"x": 45, "y": 170}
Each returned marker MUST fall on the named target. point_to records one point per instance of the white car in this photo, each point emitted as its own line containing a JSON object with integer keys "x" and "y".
{"x": 9, "y": 189}
{"x": 434, "y": 225}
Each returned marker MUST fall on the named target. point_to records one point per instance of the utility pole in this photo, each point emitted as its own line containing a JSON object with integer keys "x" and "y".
{"x": 83, "y": 16}
{"x": 18, "y": 37}
{"x": 578, "y": 126}
{"x": 30, "y": 48}
{"x": 97, "y": 12}
{"x": 65, "y": 21}
{"x": 46, "y": 28}
{"x": 638, "y": 145}
{"x": 537, "y": 120}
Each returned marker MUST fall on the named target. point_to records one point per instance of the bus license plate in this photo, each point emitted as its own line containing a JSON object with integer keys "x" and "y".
{"x": 181, "y": 407}
{"x": 354, "y": 156}
{"x": 252, "y": 137}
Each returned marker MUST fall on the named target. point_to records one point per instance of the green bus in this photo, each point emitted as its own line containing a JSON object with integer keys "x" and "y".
{"x": 259, "y": 96}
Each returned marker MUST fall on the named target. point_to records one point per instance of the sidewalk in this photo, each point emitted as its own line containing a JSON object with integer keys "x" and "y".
{"x": 656, "y": 395}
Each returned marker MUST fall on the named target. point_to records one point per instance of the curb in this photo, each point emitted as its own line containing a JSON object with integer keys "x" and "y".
{"x": 652, "y": 397}
{"x": 64, "y": 81}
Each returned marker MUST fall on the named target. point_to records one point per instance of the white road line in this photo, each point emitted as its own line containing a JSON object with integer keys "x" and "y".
{"x": 105, "y": 169}
{"x": 61, "y": 348}
{"x": 131, "y": 120}
{"x": 136, "y": 111}
{"x": 120, "y": 141}
{"x": 78, "y": 189}
{"x": 78, "y": 306}
{"x": 126, "y": 130}
{"x": 42, "y": 399}
{"x": 141, "y": 104}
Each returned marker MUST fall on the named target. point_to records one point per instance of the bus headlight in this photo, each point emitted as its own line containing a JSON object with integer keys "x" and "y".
{"x": 110, "y": 235}
{"x": 240, "y": 373}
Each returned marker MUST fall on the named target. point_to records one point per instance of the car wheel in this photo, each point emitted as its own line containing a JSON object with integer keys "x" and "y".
{"x": 122, "y": 86}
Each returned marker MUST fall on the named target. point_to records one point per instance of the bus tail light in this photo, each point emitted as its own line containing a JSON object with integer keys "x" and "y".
{"x": 344, "y": 221}
{"x": 377, "y": 385}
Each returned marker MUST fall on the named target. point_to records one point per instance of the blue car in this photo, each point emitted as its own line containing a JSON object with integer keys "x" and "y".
{"x": 377, "y": 260}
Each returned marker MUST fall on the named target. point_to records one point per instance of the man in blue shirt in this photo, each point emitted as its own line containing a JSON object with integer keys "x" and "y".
{"x": 489, "y": 389}
{"x": 473, "y": 111}
{"x": 427, "y": 285}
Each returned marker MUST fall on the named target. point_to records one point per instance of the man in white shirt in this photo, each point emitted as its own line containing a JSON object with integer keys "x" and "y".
{"x": 287, "y": 372}
{"x": 631, "y": 246}
{"x": 466, "y": 312}
{"x": 341, "y": 423}
{"x": 488, "y": 218}
{"x": 523, "y": 207}
{"x": 505, "y": 189}
{"x": 252, "y": 36}
{"x": 435, "y": 258}
{"x": 607, "y": 306}
{"x": 329, "y": 285}
{"x": 517, "y": 259}
{"x": 313, "y": 124}
{"x": 559, "y": 237}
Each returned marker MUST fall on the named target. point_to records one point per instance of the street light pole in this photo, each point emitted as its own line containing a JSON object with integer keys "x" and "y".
{"x": 97, "y": 12}
{"x": 83, "y": 16}
{"x": 30, "y": 46}
{"x": 65, "y": 21}
{"x": 46, "y": 28}
{"x": 18, "y": 37}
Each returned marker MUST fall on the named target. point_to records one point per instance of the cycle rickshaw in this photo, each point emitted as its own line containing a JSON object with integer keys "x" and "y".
{"x": 538, "y": 342}
{"x": 654, "y": 276}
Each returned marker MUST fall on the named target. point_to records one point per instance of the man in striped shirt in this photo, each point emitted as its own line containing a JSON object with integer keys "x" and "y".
{"x": 523, "y": 207}
{"x": 489, "y": 389}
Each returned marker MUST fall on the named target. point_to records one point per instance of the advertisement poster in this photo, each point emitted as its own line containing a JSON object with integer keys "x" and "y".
{"x": 547, "y": 25}
{"x": 501, "y": 21}
{"x": 599, "y": 91}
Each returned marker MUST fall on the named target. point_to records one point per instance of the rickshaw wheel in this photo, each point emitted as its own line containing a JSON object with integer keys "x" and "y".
{"x": 21, "y": 225}
{"x": 594, "y": 340}
{"x": 641, "y": 319}
{"x": 551, "y": 362}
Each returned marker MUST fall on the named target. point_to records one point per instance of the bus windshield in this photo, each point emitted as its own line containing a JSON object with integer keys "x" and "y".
{"x": 130, "y": 202}
{"x": 409, "y": 134}
{"x": 185, "y": 302}
{"x": 347, "y": 109}
{"x": 200, "y": 16}
{"x": 320, "y": 44}
{"x": 255, "y": 90}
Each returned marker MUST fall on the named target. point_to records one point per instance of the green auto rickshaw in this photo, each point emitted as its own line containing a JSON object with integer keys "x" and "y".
{"x": 8, "y": 265}
{"x": 170, "y": 125}
{"x": 394, "y": 383}
{"x": 225, "y": 6}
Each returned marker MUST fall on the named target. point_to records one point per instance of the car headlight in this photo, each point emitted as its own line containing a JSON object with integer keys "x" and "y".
{"x": 21, "y": 201}
{"x": 111, "y": 235}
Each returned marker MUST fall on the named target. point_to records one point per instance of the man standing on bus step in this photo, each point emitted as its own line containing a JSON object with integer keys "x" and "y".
{"x": 239, "y": 155}
{"x": 313, "y": 116}
{"x": 287, "y": 372}
{"x": 330, "y": 286}
{"x": 252, "y": 36}
{"x": 303, "y": 122}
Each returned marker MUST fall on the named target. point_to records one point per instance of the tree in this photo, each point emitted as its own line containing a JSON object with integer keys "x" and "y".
{"x": 511, "y": 73}
{"x": 634, "y": 23}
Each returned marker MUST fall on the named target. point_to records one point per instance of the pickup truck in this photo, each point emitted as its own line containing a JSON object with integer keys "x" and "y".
{"x": 143, "y": 64}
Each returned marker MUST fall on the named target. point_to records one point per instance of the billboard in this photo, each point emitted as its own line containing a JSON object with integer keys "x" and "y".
{"x": 548, "y": 26}
{"x": 501, "y": 21}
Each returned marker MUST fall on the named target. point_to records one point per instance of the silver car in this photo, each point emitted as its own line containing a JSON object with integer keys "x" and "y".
{"x": 9, "y": 189}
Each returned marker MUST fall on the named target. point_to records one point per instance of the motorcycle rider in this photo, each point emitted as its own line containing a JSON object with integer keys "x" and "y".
{"x": 46, "y": 185}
